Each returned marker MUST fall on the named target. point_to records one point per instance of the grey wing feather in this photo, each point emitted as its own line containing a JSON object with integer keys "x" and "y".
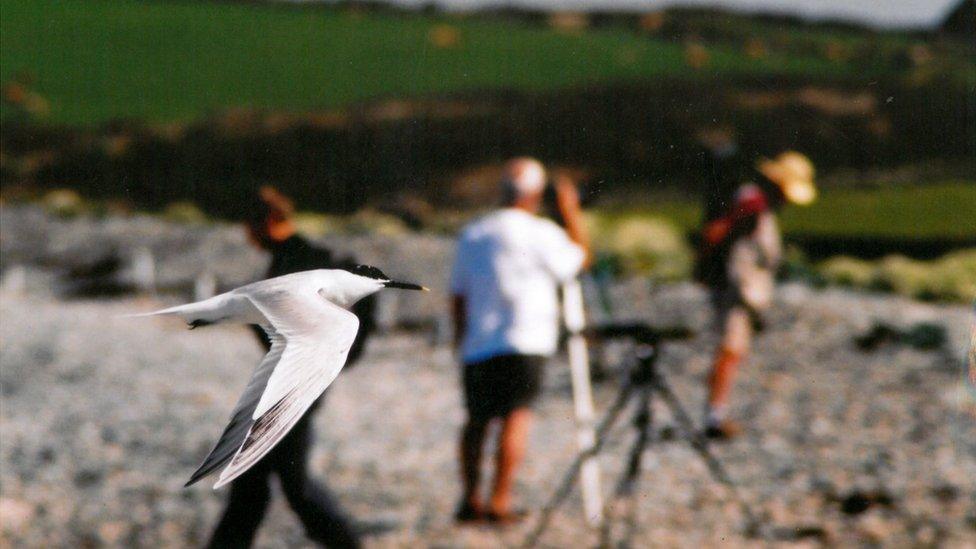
{"x": 241, "y": 419}
{"x": 265, "y": 433}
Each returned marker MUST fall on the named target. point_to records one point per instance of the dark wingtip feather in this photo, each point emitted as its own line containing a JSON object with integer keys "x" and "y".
{"x": 197, "y": 475}
{"x": 208, "y": 466}
{"x": 226, "y": 447}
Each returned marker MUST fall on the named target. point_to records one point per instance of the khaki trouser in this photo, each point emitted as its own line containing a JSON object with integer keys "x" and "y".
{"x": 751, "y": 267}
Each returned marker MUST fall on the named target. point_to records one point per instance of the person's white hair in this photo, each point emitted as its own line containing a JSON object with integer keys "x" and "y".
{"x": 524, "y": 177}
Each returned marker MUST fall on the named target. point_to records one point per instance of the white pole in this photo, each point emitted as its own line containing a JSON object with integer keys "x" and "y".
{"x": 205, "y": 286}
{"x": 144, "y": 270}
{"x": 579, "y": 367}
{"x": 14, "y": 280}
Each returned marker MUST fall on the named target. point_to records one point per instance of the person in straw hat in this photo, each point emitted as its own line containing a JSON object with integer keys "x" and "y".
{"x": 738, "y": 258}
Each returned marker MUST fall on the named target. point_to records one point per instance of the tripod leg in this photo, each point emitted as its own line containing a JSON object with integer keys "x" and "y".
{"x": 643, "y": 418}
{"x": 627, "y": 488}
{"x": 566, "y": 484}
{"x": 700, "y": 446}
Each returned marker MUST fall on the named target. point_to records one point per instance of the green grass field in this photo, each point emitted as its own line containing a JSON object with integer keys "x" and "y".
{"x": 98, "y": 60}
{"x": 941, "y": 210}
{"x": 945, "y": 210}
{"x": 95, "y": 60}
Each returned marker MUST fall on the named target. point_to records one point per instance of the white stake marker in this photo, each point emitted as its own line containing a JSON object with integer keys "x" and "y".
{"x": 579, "y": 365}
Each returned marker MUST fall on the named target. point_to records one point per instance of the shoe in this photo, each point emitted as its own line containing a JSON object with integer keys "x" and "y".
{"x": 723, "y": 430}
{"x": 507, "y": 518}
{"x": 467, "y": 513}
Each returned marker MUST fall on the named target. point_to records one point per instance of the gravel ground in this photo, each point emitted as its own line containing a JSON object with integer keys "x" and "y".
{"x": 101, "y": 422}
{"x": 104, "y": 417}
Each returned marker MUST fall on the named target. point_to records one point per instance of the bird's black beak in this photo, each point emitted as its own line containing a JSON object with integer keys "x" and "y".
{"x": 404, "y": 285}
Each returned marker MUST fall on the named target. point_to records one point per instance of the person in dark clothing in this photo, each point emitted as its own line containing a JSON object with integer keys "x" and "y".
{"x": 270, "y": 227}
{"x": 723, "y": 167}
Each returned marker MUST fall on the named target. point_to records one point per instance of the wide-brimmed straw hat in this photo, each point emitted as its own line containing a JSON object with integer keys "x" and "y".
{"x": 793, "y": 172}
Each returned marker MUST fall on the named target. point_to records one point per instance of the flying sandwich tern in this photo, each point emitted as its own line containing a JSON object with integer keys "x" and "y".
{"x": 306, "y": 315}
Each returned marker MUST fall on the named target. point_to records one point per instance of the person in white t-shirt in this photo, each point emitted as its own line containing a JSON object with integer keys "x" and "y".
{"x": 504, "y": 284}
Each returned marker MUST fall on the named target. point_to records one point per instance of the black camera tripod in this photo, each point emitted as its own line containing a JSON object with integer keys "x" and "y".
{"x": 642, "y": 383}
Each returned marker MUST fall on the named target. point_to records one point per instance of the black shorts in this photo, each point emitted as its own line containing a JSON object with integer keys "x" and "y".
{"x": 501, "y": 384}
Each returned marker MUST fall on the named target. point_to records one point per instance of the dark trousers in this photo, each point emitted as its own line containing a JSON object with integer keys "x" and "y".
{"x": 314, "y": 504}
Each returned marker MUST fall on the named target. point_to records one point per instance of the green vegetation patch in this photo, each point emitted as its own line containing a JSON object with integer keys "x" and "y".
{"x": 949, "y": 278}
{"x": 946, "y": 210}
{"x": 938, "y": 210}
{"x": 94, "y": 60}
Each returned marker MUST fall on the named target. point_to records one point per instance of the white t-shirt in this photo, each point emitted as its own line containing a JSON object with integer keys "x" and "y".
{"x": 508, "y": 266}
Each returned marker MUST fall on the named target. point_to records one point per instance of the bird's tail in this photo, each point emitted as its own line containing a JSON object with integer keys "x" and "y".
{"x": 200, "y": 313}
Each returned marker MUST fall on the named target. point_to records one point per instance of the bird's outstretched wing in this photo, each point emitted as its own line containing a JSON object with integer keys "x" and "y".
{"x": 311, "y": 338}
{"x": 242, "y": 417}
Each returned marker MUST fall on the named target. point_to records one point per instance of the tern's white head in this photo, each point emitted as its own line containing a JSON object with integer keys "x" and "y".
{"x": 347, "y": 286}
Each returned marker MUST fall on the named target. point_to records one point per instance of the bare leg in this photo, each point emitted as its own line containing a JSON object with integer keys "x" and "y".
{"x": 736, "y": 336}
{"x": 511, "y": 450}
{"x": 472, "y": 442}
{"x": 722, "y": 378}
